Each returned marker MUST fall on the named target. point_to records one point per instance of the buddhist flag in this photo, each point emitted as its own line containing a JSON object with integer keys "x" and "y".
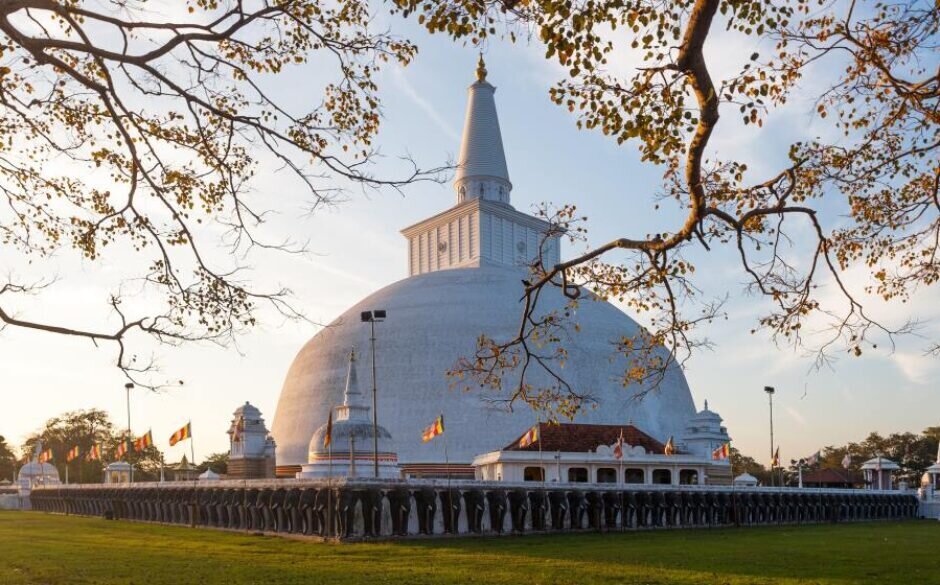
{"x": 94, "y": 454}
{"x": 45, "y": 456}
{"x": 121, "y": 449}
{"x": 181, "y": 435}
{"x": 722, "y": 452}
{"x": 143, "y": 442}
{"x": 618, "y": 448}
{"x": 328, "y": 437}
{"x": 775, "y": 462}
{"x": 436, "y": 428}
{"x": 670, "y": 447}
{"x": 530, "y": 437}
{"x": 73, "y": 454}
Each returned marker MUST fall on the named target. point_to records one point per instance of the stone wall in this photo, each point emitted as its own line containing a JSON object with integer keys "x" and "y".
{"x": 13, "y": 502}
{"x": 356, "y": 509}
{"x": 251, "y": 468}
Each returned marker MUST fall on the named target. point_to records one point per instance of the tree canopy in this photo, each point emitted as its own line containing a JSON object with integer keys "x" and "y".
{"x": 128, "y": 128}
{"x": 84, "y": 429}
{"x": 7, "y": 461}
{"x": 861, "y": 196}
{"x": 913, "y": 452}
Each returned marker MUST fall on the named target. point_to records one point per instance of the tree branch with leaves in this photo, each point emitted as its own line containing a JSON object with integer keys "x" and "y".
{"x": 876, "y": 87}
{"x": 126, "y": 129}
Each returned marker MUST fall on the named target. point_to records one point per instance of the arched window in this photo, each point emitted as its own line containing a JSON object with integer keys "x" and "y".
{"x": 633, "y": 475}
{"x": 606, "y": 475}
{"x": 533, "y": 474}
{"x": 688, "y": 477}
{"x": 577, "y": 474}
{"x": 662, "y": 476}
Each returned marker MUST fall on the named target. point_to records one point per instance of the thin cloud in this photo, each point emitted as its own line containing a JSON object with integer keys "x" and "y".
{"x": 405, "y": 86}
{"x": 795, "y": 415}
{"x": 916, "y": 368}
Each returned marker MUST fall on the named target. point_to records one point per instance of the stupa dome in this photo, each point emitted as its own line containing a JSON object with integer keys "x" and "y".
{"x": 435, "y": 318}
{"x": 38, "y": 473}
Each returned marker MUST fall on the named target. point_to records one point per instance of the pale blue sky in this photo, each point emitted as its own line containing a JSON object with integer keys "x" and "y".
{"x": 357, "y": 249}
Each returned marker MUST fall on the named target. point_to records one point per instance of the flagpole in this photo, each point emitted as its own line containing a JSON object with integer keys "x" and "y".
{"x": 621, "y": 479}
{"x": 450, "y": 503}
{"x": 329, "y": 478}
{"x": 192, "y": 446}
{"x": 538, "y": 434}
{"x": 734, "y": 504}
{"x": 446, "y": 459}
{"x": 329, "y": 492}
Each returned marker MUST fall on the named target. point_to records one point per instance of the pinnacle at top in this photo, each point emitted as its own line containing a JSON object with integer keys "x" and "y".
{"x": 481, "y": 69}
{"x": 481, "y": 166}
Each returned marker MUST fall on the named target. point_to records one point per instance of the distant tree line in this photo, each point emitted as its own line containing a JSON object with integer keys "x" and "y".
{"x": 914, "y": 453}
{"x": 86, "y": 428}
{"x": 7, "y": 461}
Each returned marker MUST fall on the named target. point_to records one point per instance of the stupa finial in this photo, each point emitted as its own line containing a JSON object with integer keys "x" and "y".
{"x": 352, "y": 383}
{"x": 481, "y": 69}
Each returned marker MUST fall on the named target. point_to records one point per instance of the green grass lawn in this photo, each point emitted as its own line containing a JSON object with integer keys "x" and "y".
{"x": 47, "y": 549}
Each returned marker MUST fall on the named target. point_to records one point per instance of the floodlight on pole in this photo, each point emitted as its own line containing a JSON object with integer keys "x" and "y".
{"x": 127, "y": 388}
{"x": 372, "y": 317}
{"x": 770, "y": 395}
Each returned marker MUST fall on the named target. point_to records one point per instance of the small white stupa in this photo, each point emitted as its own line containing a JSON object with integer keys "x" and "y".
{"x": 745, "y": 480}
{"x": 349, "y": 450}
{"x": 117, "y": 472}
{"x": 37, "y": 473}
{"x": 209, "y": 475}
{"x": 879, "y": 473}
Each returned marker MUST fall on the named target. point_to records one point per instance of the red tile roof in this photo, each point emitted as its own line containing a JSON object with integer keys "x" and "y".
{"x": 584, "y": 438}
{"x": 832, "y": 476}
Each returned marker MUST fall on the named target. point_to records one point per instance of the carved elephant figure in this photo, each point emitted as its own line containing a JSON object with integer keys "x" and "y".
{"x": 558, "y": 500}
{"x": 518, "y": 509}
{"x": 497, "y": 503}
{"x": 538, "y": 508}
{"x": 426, "y": 507}
{"x": 371, "y": 499}
{"x": 577, "y": 509}
{"x": 399, "y": 502}
{"x": 307, "y": 510}
{"x": 475, "y": 503}
{"x": 450, "y": 509}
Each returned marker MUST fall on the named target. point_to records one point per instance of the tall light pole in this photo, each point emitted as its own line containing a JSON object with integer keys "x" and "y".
{"x": 372, "y": 317}
{"x": 770, "y": 395}
{"x": 127, "y": 388}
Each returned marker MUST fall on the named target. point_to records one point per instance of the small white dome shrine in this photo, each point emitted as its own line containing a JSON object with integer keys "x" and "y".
{"x": 349, "y": 451}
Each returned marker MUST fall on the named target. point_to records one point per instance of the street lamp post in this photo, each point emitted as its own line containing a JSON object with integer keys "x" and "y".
{"x": 372, "y": 317}
{"x": 770, "y": 395}
{"x": 127, "y": 388}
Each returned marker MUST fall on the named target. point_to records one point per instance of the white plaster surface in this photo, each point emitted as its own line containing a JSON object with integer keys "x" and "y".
{"x": 435, "y": 318}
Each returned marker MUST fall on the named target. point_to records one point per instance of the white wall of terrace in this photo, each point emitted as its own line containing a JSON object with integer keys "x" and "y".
{"x": 594, "y": 468}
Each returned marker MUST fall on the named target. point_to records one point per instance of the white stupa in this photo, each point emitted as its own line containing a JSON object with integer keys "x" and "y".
{"x": 36, "y": 473}
{"x": 351, "y": 451}
{"x": 465, "y": 268}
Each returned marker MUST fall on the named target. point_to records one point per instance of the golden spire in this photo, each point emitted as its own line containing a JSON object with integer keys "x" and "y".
{"x": 481, "y": 69}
